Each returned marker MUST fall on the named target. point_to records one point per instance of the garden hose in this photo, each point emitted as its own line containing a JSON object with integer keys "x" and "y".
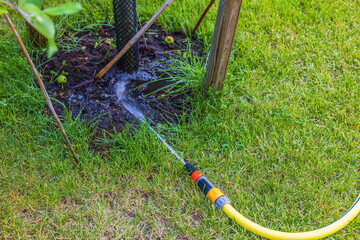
{"x": 223, "y": 203}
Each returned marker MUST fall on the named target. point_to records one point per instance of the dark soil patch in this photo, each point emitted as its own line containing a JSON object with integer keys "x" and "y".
{"x": 87, "y": 53}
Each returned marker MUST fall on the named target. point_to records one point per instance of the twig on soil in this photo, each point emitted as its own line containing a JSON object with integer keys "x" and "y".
{"x": 202, "y": 16}
{"x": 171, "y": 51}
{"x": 41, "y": 86}
{"x": 84, "y": 83}
{"x": 133, "y": 40}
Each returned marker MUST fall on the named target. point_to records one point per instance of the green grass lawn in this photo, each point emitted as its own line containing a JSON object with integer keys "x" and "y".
{"x": 282, "y": 141}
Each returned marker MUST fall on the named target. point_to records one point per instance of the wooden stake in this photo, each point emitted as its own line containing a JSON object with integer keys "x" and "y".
{"x": 41, "y": 86}
{"x": 223, "y": 39}
{"x": 133, "y": 40}
{"x": 202, "y": 16}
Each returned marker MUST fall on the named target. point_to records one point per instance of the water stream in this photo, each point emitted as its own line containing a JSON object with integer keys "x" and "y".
{"x": 132, "y": 107}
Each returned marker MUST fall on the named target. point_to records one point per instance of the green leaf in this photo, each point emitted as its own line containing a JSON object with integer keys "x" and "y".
{"x": 68, "y": 8}
{"x": 42, "y": 22}
{"x": 52, "y": 48}
{"x": 37, "y": 3}
{"x": 3, "y": 10}
{"x": 2, "y": 1}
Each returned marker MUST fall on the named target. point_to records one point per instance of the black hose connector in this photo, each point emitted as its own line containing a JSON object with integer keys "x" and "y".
{"x": 205, "y": 185}
{"x": 190, "y": 168}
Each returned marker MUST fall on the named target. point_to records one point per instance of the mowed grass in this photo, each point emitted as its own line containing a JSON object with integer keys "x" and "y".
{"x": 281, "y": 140}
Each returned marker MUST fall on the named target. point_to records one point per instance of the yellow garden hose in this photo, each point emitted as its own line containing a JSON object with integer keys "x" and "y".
{"x": 273, "y": 234}
{"x": 223, "y": 203}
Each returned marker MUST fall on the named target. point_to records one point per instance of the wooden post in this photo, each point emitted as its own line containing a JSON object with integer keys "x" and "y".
{"x": 223, "y": 39}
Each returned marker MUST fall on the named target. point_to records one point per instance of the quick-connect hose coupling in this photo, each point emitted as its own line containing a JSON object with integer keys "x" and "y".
{"x": 221, "y": 201}
{"x": 210, "y": 191}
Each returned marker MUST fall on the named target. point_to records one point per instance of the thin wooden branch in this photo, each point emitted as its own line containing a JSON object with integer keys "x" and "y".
{"x": 133, "y": 40}
{"x": 84, "y": 83}
{"x": 41, "y": 86}
{"x": 203, "y": 16}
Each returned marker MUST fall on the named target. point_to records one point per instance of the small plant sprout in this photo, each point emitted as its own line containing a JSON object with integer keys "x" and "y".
{"x": 98, "y": 42}
{"x": 112, "y": 45}
{"x": 54, "y": 74}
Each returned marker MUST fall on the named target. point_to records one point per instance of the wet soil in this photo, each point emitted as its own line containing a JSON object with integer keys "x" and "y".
{"x": 82, "y": 56}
